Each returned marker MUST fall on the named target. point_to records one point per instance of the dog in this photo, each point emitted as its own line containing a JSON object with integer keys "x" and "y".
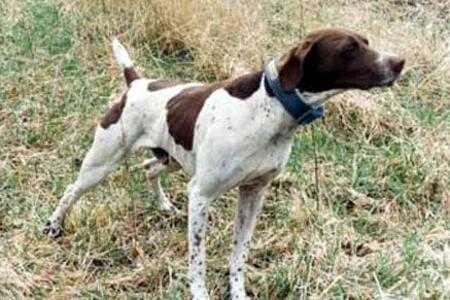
{"x": 234, "y": 133}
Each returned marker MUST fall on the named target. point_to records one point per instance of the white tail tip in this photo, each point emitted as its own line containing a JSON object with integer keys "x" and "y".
{"x": 121, "y": 54}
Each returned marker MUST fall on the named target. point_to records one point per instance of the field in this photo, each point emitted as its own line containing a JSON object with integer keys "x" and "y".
{"x": 378, "y": 228}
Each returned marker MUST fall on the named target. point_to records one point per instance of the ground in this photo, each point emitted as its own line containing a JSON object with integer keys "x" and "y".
{"x": 377, "y": 228}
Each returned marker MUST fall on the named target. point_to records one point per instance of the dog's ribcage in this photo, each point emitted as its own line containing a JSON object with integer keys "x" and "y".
{"x": 234, "y": 140}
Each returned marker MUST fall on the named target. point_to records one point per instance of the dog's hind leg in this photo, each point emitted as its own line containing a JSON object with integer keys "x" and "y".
{"x": 154, "y": 167}
{"x": 102, "y": 158}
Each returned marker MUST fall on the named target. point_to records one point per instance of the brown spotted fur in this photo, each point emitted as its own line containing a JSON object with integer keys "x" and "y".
{"x": 183, "y": 110}
{"x": 244, "y": 86}
{"x": 130, "y": 75}
{"x": 162, "y": 84}
{"x": 114, "y": 113}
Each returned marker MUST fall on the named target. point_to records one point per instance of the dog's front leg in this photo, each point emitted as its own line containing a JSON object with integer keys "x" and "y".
{"x": 199, "y": 201}
{"x": 249, "y": 204}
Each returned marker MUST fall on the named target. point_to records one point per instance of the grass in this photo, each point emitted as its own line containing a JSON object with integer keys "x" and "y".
{"x": 379, "y": 230}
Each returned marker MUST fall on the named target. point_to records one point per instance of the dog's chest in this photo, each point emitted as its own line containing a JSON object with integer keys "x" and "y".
{"x": 244, "y": 140}
{"x": 269, "y": 159}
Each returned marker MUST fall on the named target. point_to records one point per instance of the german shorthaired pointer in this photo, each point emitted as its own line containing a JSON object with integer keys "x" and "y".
{"x": 235, "y": 133}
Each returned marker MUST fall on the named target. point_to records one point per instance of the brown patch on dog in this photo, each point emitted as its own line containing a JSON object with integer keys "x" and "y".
{"x": 183, "y": 110}
{"x": 114, "y": 113}
{"x": 130, "y": 75}
{"x": 244, "y": 86}
{"x": 162, "y": 84}
{"x": 291, "y": 70}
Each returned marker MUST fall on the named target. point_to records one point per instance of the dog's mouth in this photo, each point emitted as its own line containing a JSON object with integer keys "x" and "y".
{"x": 392, "y": 74}
{"x": 386, "y": 74}
{"x": 381, "y": 81}
{"x": 389, "y": 80}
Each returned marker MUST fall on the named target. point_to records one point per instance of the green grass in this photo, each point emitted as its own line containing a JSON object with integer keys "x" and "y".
{"x": 380, "y": 229}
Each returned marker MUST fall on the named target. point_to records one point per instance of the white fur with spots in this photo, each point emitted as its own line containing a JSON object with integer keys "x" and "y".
{"x": 236, "y": 144}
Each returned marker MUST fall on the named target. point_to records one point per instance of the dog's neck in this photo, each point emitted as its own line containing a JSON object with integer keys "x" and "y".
{"x": 301, "y": 107}
{"x": 317, "y": 98}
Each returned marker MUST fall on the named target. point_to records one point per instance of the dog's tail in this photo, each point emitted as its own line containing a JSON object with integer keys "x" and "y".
{"x": 124, "y": 61}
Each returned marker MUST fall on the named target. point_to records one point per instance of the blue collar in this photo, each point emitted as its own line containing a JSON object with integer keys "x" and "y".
{"x": 291, "y": 100}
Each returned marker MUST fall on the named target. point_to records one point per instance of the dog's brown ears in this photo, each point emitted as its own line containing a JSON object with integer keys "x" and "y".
{"x": 291, "y": 67}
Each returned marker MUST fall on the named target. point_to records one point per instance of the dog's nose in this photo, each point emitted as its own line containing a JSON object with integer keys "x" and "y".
{"x": 397, "y": 64}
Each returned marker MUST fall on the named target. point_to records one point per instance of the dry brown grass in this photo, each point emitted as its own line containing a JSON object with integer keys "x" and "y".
{"x": 219, "y": 35}
{"x": 223, "y": 35}
{"x": 380, "y": 229}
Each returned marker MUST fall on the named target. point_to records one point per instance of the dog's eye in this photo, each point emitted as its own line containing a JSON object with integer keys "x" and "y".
{"x": 349, "y": 51}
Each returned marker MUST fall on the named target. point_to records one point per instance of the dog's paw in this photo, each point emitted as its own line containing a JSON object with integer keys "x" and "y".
{"x": 170, "y": 208}
{"x": 53, "y": 230}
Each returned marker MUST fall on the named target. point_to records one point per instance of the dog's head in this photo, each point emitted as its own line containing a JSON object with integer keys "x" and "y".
{"x": 331, "y": 59}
